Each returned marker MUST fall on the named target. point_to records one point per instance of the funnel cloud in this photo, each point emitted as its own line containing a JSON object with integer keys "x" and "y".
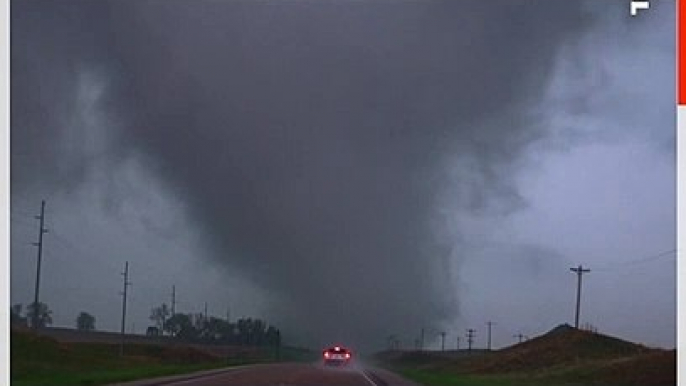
{"x": 316, "y": 149}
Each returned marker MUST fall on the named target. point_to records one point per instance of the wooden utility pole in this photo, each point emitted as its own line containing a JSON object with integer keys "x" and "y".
{"x": 443, "y": 341}
{"x": 489, "y": 323}
{"x": 173, "y": 302}
{"x": 520, "y": 336}
{"x": 579, "y": 272}
{"x": 123, "y": 309}
{"x": 39, "y": 244}
{"x": 470, "y": 338}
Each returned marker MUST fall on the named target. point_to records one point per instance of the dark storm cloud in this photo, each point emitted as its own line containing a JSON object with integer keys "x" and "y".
{"x": 308, "y": 140}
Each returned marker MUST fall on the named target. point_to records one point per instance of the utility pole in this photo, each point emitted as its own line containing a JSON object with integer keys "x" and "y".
{"x": 579, "y": 272}
{"x": 173, "y": 302}
{"x": 421, "y": 340}
{"x": 458, "y": 344}
{"x": 470, "y": 338}
{"x": 489, "y": 323}
{"x": 520, "y": 336}
{"x": 123, "y": 309}
{"x": 205, "y": 311}
{"x": 39, "y": 244}
{"x": 443, "y": 341}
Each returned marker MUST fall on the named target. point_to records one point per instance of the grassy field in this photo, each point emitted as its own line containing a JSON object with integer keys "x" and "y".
{"x": 38, "y": 361}
{"x": 566, "y": 357}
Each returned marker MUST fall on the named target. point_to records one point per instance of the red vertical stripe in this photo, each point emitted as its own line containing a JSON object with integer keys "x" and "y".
{"x": 681, "y": 51}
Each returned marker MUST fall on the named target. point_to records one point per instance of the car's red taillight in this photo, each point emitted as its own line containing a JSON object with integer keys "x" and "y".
{"x": 347, "y": 355}
{"x": 326, "y": 354}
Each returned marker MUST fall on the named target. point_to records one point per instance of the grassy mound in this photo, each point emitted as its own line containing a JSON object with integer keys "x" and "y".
{"x": 557, "y": 348}
{"x": 564, "y": 356}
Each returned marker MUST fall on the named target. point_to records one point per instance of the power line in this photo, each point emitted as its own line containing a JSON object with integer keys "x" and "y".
{"x": 86, "y": 249}
{"x": 647, "y": 259}
{"x": 21, "y": 221}
{"x": 83, "y": 249}
{"x": 15, "y": 210}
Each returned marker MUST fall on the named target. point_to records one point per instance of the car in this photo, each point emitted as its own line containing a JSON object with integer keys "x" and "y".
{"x": 337, "y": 356}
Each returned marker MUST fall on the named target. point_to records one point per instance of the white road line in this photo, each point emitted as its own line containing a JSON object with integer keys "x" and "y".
{"x": 367, "y": 378}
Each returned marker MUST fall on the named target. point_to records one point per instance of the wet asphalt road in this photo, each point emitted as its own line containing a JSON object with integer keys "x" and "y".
{"x": 287, "y": 374}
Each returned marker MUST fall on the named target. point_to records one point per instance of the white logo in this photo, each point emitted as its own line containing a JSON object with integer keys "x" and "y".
{"x": 638, "y": 5}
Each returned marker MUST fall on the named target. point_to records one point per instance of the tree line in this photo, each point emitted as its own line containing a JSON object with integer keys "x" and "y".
{"x": 197, "y": 327}
{"x": 84, "y": 320}
{"x": 191, "y": 327}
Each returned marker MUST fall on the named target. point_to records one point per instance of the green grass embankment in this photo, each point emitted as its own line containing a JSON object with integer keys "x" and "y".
{"x": 563, "y": 357}
{"x": 38, "y": 360}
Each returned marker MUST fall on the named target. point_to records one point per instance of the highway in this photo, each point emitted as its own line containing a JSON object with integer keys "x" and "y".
{"x": 285, "y": 374}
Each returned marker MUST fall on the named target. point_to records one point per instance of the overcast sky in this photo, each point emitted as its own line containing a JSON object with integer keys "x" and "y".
{"x": 349, "y": 170}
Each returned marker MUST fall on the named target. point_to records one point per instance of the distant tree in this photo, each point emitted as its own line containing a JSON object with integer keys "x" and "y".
{"x": 246, "y": 331}
{"x": 44, "y": 314}
{"x": 258, "y": 331}
{"x": 252, "y": 331}
{"x": 181, "y": 326}
{"x": 200, "y": 325}
{"x": 85, "y": 322}
{"x": 217, "y": 329}
{"x": 16, "y": 317}
{"x": 272, "y": 336}
{"x": 243, "y": 326}
{"x": 159, "y": 315}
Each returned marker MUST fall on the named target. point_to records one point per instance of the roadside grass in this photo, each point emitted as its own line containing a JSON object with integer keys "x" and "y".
{"x": 434, "y": 378}
{"x": 41, "y": 361}
{"x": 560, "y": 377}
{"x": 294, "y": 354}
{"x": 583, "y": 373}
{"x": 56, "y": 376}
